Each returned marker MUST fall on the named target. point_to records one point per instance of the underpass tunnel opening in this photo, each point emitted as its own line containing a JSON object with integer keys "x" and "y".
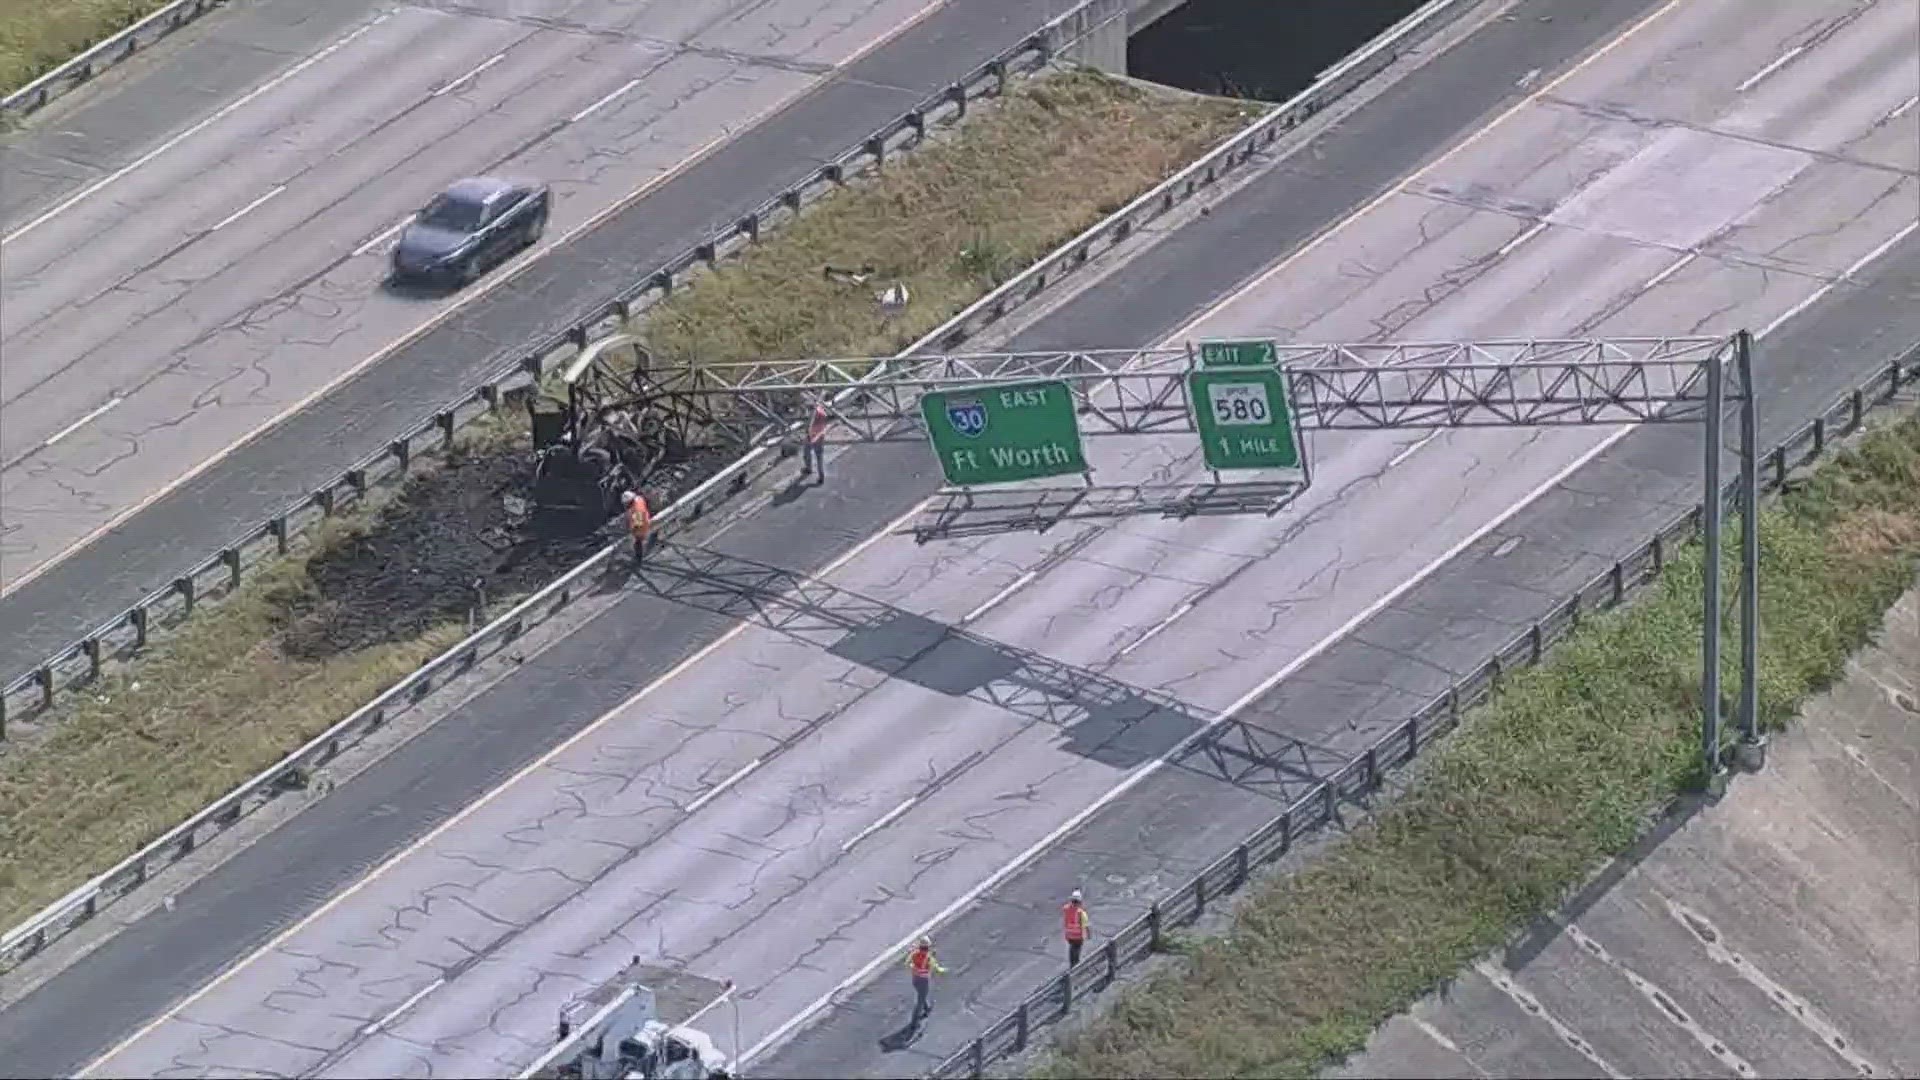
{"x": 1267, "y": 50}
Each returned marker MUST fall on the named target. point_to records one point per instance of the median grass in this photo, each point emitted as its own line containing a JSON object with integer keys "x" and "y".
{"x": 242, "y": 684}
{"x": 37, "y": 36}
{"x": 1563, "y": 769}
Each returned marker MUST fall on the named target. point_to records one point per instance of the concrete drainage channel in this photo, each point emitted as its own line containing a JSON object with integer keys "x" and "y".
{"x": 82, "y": 662}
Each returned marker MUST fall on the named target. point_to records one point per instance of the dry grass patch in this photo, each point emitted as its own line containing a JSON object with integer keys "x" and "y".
{"x": 1562, "y": 770}
{"x": 226, "y": 696}
{"x": 37, "y": 36}
{"x": 951, "y": 222}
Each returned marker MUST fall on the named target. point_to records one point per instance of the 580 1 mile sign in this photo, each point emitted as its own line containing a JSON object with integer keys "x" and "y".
{"x": 1004, "y": 434}
{"x": 1245, "y": 418}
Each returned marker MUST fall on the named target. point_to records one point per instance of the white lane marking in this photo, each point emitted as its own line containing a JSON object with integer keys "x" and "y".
{"x": 83, "y": 421}
{"x": 1538, "y": 228}
{"x": 247, "y": 209}
{"x": 885, "y": 820}
{"x": 1019, "y": 583}
{"x": 1141, "y": 772}
{"x": 1905, "y": 106}
{"x": 1505, "y": 984}
{"x": 1784, "y": 59}
{"x": 402, "y": 1007}
{"x": 1402, "y": 456}
{"x": 1664, "y": 1002}
{"x": 718, "y": 789}
{"x": 1155, "y": 630}
{"x": 474, "y": 807}
{"x": 1795, "y": 1006}
{"x": 1433, "y": 1033}
{"x": 603, "y": 102}
{"x": 1673, "y": 268}
{"x": 486, "y": 285}
{"x": 469, "y": 76}
{"x": 1862, "y": 262}
{"x": 117, "y": 174}
{"x": 382, "y": 237}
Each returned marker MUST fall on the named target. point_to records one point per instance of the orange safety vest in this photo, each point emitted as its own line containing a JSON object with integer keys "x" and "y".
{"x": 817, "y": 428}
{"x": 920, "y": 961}
{"x": 1075, "y": 917}
{"x": 639, "y": 519}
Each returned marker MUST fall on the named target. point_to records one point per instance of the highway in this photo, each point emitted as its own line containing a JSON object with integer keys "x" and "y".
{"x": 879, "y": 739}
{"x": 192, "y": 322}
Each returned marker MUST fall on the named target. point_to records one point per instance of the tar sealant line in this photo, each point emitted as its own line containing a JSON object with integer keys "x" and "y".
{"x": 469, "y": 76}
{"x": 603, "y": 102}
{"x": 1783, "y": 60}
{"x": 1505, "y": 984}
{"x": 96, "y": 414}
{"x": 1663, "y": 1001}
{"x": 1795, "y": 1006}
{"x": 402, "y": 1007}
{"x": 247, "y": 209}
{"x": 714, "y": 792}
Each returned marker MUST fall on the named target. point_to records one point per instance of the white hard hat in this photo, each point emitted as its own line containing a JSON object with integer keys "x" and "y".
{"x": 1076, "y": 894}
{"x": 627, "y": 497}
{"x": 926, "y": 943}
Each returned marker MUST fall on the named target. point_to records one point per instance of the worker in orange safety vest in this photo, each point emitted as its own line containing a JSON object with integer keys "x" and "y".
{"x": 639, "y": 523}
{"x": 1074, "y": 919}
{"x": 814, "y": 454}
{"x": 921, "y": 965}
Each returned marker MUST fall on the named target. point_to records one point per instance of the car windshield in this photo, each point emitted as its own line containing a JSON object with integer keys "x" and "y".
{"x": 453, "y": 212}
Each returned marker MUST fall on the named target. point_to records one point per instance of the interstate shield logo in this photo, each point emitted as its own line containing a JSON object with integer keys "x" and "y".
{"x": 967, "y": 415}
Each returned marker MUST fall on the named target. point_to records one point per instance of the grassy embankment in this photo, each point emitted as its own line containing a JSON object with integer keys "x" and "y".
{"x": 243, "y": 683}
{"x": 37, "y": 36}
{"x": 1562, "y": 770}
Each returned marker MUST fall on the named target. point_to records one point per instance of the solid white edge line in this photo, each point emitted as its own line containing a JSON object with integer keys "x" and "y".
{"x": 247, "y": 209}
{"x": 1397, "y": 459}
{"x": 1673, "y": 268}
{"x": 603, "y": 102}
{"x": 1143, "y": 771}
{"x": 469, "y": 76}
{"x": 1784, "y": 59}
{"x": 1156, "y": 629}
{"x": 720, "y": 788}
{"x": 394, "y": 1013}
{"x": 83, "y": 421}
{"x": 1019, "y": 583}
{"x": 1905, "y": 106}
{"x": 118, "y": 174}
{"x": 885, "y": 820}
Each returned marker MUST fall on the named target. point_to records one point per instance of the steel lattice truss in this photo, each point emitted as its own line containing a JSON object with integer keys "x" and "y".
{"x": 1335, "y": 386}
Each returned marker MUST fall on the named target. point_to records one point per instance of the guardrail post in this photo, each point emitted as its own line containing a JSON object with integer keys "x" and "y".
{"x": 402, "y": 451}
{"x": 1153, "y": 927}
{"x": 91, "y": 646}
{"x": 231, "y": 556}
{"x": 707, "y": 252}
{"x": 750, "y": 227}
{"x": 490, "y": 393}
{"x": 1199, "y": 895}
{"x": 44, "y": 676}
{"x": 1022, "y": 1028}
{"x": 138, "y": 618}
{"x": 1066, "y": 992}
{"x": 977, "y": 1058}
{"x": 277, "y": 528}
{"x": 1112, "y": 950}
{"x": 3, "y": 717}
{"x": 444, "y": 418}
{"x": 1242, "y": 867}
{"x": 1659, "y": 550}
{"x": 876, "y": 146}
{"x": 1534, "y": 644}
{"x": 917, "y": 120}
{"x": 1619, "y": 581}
{"x": 184, "y": 586}
{"x": 998, "y": 69}
{"x": 1779, "y": 456}
{"x": 1373, "y": 765}
{"x": 1859, "y": 402}
{"x": 663, "y": 280}
{"x": 324, "y": 499}
{"x": 1819, "y": 434}
{"x": 958, "y": 95}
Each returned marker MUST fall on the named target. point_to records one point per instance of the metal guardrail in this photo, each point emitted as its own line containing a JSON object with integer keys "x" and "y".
{"x": 1184, "y": 905}
{"x": 276, "y": 535}
{"x": 81, "y": 69}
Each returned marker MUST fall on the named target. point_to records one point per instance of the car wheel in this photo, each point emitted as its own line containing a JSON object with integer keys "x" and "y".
{"x": 536, "y": 228}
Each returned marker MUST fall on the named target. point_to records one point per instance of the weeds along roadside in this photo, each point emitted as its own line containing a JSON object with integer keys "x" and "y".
{"x": 38, "y": 36}
{"x": 386, "y": 586}
{"x": 1564, "y": 768}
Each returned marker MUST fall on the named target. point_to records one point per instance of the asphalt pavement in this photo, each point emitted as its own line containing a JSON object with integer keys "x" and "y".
{"x": 878, "y": 739}
{"x": 191, "y": 346}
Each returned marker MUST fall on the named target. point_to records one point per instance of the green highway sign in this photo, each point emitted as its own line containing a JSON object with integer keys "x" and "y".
{"x": 1216, "y": 354}
{"x": 1003, "y": 434}
{"x": 1245, "y": 418}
